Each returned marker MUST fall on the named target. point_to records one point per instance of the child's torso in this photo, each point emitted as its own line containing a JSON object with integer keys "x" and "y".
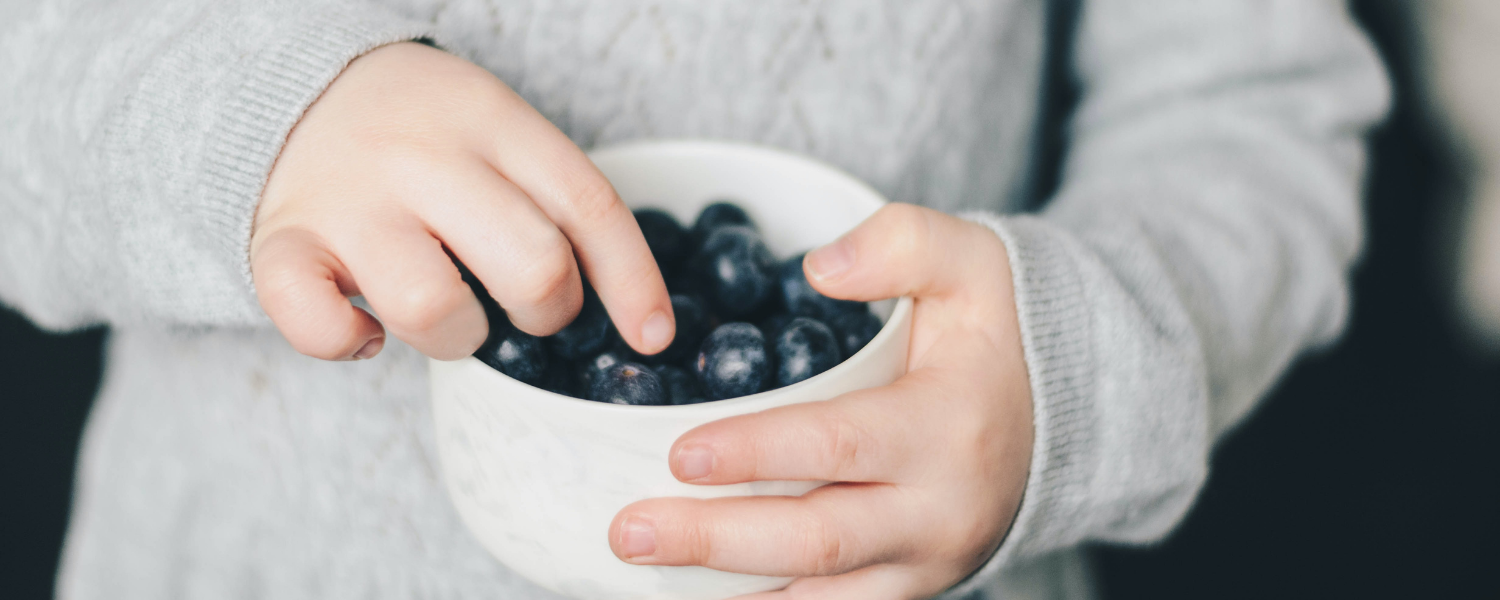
{"x": 931, "y": 101}
{"x": 242, "y": 467}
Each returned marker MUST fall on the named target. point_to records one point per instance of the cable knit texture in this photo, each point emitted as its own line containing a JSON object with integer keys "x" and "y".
{"x": 1200, "y": 240}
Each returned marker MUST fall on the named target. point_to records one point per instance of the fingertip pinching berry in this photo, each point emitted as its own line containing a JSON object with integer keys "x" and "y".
{"x": 721, "y": 276}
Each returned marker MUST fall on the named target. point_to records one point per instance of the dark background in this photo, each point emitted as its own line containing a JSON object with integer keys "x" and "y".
{"x": 1372, "y": 471}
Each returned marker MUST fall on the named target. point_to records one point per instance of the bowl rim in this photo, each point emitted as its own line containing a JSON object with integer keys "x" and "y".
{"x": 699, "y": 146}
{"x": 901, "y": 312}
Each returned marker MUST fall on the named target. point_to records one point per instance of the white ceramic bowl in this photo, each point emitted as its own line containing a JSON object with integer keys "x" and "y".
{"x": 538, "y": 477}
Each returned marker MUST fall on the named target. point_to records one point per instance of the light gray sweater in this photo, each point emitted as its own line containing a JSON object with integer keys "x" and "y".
{"x": 1201, "y": 239}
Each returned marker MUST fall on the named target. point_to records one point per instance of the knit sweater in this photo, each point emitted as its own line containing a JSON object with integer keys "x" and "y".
{"x": 1201, "y": 238}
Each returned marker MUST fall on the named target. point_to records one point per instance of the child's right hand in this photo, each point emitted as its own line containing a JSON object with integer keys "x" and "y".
{"x": 411, "y": 150}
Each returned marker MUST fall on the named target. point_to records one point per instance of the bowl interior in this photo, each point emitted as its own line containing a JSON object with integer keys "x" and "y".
{"x": 798, "y": 203}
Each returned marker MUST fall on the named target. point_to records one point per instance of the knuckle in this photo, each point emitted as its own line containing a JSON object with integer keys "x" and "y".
{"x": 826, "y": 548}
{"x": 905, "y": 229}
{"x": 276, "y": 285}
{"x": 548, "y": 277}
{"x": 286, "y": 301}
{"x": 422, "y": 306}
{"x": 845, "y": 444}
{"x": 699, "y": 545}
{"x": 290, "y": 296}
{"x": 591, "y": 199}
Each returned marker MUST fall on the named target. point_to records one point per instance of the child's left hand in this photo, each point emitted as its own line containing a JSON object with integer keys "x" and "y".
{"x": 929, "y": 470}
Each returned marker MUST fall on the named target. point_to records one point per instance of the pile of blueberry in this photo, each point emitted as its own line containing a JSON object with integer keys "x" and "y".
{"x": 745, "y": 324}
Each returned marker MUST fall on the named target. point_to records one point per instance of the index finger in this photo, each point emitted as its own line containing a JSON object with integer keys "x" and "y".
{"x": 572, "y": 192}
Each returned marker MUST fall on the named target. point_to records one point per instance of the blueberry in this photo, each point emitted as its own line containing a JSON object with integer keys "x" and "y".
{"x": 716, "y": 215}
{"x": 683, "y": 282}
{"x": 681, "y": 387}
{"x": 771, "y": 326}
{"x": 733, "y": 362}
{"x": 854, "y": 330}
{"x": 628, "y": 354}
{"x": 513, "y": 352}
{"x": 629, "y": 383}
{"x": 592, "y": 369}
{"x": 804, "y": 348}
{"x": 468, "y": 276}
{"x": 692, "y": 326}
{"x": 668, "y": 241}
{"x": 802, "y": 300}
{"x": 736, "y": 271}
{"x": 589, "y": 333}
{"x": 560, "y": 377}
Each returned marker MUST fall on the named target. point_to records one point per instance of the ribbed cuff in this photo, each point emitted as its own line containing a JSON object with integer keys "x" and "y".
{"x": 1055, "y": 336}
{"x": 277, "y": 89}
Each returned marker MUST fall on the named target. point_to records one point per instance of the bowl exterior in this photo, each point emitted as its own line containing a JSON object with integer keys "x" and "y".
{"x": 538, "y": 477}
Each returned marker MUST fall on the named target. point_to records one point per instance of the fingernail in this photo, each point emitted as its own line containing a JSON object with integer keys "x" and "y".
{"x": 831, "y": 260}
{"x": 637, "y": 538}
{"x": 370, "y": 349}
{"x": 695, "y": 463}
{"x": 657, "y": 332}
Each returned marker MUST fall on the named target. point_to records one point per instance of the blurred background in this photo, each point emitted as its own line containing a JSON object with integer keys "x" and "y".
{"x": 1373, "y": 470}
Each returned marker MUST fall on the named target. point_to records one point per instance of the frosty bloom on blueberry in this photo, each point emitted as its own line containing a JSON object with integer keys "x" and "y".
{"x": 804, "y": 348}
{"x": 629, "y": 383}
{"x": 714, "y": 216}
{"x": 735, "y": 270}
{"x": 734, "y": 361}
{"x": 514, "y": 353}
{"x": 746, "y": 323}
{"x": 681, "y": 386}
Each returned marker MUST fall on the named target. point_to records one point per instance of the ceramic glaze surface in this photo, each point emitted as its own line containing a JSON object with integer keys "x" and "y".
{"x": 538, "y": 477}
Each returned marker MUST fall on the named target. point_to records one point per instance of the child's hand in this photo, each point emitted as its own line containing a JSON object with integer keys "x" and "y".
{"x": 412, "y": 150}
{"x": 932, "y": 466}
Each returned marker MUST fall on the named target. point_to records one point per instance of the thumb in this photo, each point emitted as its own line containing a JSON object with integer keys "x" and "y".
{"x": 305, "y": 290}
{"x": 906, "y": 250}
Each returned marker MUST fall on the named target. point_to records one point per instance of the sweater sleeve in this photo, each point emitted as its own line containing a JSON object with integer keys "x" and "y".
{"x": 135, "y": 138}
{"x": 1202, "y": 237}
